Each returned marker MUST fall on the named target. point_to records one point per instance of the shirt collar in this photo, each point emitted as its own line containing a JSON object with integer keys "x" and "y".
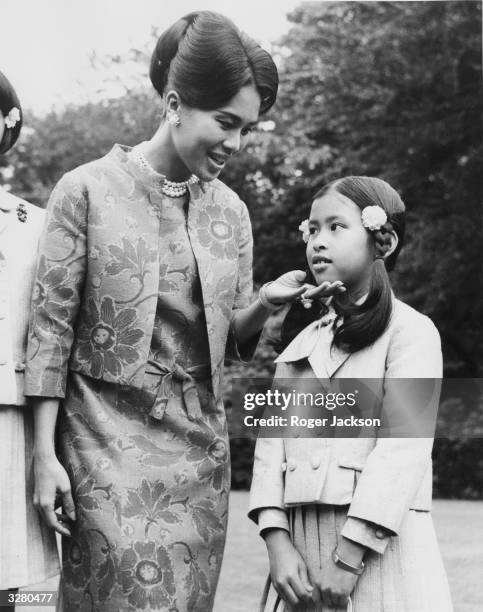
{"x": 303, "y": 345}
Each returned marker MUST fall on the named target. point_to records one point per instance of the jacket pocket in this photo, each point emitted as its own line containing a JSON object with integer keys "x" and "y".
{"x": 356, "y": 468}
{"x": 352, "y": 464}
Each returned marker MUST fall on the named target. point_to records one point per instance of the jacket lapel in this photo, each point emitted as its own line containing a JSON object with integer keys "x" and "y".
{"x": 217, "y": 274}
{"x": 336, "y": 360}
{"x": 314, "y": 344}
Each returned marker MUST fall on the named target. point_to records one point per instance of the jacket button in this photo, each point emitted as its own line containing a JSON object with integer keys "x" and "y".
{"x": 284, "y": 466}
{"x": 315, "y": 462}
{"x": 291, "y": 464}
{"x": 380, "y": 534}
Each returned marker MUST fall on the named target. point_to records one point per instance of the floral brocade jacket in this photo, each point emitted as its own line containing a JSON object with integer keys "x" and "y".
{"x": 98, "y": 274}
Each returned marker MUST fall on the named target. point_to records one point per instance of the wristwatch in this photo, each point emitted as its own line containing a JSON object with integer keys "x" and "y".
{"x": 347, "y": 566}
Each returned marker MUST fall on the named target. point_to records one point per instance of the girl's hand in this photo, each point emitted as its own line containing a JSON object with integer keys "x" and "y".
{"x": 50, "y": 479}
{"x": 292, "y": 285}
{"x": 287, "y": 568}
{"x": 334, "y": 585}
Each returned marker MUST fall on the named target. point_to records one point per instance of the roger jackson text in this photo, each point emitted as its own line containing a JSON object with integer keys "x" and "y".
{"x": 310, "y": 423}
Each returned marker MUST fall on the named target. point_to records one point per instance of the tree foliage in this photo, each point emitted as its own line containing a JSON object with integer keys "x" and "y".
{"x": 391, "y": 89}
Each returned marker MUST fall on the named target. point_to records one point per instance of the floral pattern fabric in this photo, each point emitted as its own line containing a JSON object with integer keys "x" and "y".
{"x": 151, "y": 500}
{"x": 129, "y": 279}
{"x": 99, "y": 258}
{"x": 164, "y": 548}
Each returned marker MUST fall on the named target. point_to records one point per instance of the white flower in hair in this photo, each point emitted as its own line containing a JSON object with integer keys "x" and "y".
{"x": 12, "y": 118}
{"x": 304, "y": 228}
{"x": 373, "y": 217}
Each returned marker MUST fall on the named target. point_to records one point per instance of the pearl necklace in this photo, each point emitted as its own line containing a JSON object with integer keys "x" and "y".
{"x": 170, "y": 188}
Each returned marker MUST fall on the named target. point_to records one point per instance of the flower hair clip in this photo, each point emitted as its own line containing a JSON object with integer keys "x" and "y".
{"x": 304, "y": 228}
{"x": 373, "y": 217}
{"x": 12, "y": 118}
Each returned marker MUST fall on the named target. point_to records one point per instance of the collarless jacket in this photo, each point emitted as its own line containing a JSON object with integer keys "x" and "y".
{"x": 18, "y": 252}
{"x": 96, "y": 290}
{"x": 379, "y": 478}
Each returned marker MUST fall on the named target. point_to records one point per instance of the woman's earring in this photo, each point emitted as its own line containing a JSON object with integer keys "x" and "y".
{"x": 172, "y": 118}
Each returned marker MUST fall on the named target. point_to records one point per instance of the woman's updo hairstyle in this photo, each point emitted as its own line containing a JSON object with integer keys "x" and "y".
{"x": 8, "y": 100}
{"x": 207, "y": 60}
{"x": 362, "y": 324}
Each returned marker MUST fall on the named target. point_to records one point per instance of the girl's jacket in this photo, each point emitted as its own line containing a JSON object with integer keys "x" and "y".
{"x": 380, "y": 478}
{"x": 18, "y": 257}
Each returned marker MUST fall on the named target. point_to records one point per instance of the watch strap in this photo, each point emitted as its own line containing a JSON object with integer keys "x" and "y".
{"x": 347, "y": 566}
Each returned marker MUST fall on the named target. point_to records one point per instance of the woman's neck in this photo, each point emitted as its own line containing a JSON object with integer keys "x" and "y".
{"x": 162, "y": 156}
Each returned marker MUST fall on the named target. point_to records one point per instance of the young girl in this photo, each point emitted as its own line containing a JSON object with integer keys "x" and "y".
{"x": 347, "y": 521}
{"x": 28, "y": 552}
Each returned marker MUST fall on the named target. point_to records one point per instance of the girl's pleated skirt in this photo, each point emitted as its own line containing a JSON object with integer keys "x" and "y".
{"x": 28, "y": 550}
{"x": 408, "y": 577}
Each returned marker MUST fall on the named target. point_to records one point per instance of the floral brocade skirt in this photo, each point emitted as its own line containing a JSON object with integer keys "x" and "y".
{"x": 151, "y": 500}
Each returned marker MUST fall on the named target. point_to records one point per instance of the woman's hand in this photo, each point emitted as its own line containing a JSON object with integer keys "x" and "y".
{"x": 287, "y": 568}
{"x": 292, "y": 285}
{"x": 50, "y": 479}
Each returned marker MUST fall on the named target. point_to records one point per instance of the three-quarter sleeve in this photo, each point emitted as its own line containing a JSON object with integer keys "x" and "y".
{"x": 57, "y": 289}
{"x": 243, "y": 295}
{"x": 396, "y": 467}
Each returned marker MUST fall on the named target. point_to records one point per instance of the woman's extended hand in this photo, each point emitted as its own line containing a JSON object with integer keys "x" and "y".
{"x": 292, "y": 285}
{"x": 287, "y": 568}
{"x": 50, "y": 479}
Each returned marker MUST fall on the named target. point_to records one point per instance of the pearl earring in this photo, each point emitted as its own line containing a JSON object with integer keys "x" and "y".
{"x": 172, "y": 118}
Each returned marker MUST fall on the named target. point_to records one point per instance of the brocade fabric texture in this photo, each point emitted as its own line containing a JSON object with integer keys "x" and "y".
{"x": 150, "y": 477}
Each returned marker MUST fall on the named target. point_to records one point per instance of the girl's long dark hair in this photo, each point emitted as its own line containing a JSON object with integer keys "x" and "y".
{"x": 9, "y": 100}
{"x": 207, "y": 60}
{"x": 362, "y": 324}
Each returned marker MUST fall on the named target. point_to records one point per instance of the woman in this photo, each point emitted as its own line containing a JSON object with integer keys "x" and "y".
{"x": 28, "y": 552}
{"x": 143, "y": 288}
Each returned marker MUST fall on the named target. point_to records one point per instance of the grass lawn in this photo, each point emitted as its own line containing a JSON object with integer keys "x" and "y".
{"x": 459, "y": 525}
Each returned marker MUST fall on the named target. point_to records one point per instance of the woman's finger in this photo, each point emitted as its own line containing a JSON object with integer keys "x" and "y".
{"x": 51, "y": 520}
{"x": 64, "y": 523}
{"x": 68, "y": 504}
{"x": 325, "y": 289}
{"x": 299, "y": 275}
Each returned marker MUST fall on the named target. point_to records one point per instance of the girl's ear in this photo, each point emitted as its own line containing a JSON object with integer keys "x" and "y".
{"x": 392, "y": 244}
